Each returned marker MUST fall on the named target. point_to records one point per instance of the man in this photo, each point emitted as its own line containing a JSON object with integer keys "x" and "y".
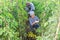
{"x": 33, "y": 20}
{"x": 29, "y": 7}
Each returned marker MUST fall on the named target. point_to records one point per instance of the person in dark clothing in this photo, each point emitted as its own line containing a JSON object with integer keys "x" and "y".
{"x": 33, "y": 20}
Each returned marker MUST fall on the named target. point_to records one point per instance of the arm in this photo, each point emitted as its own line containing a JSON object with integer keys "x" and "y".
{"x": 31, "y": 22}
{"x": 32, "y": 6}
{"x": 37, "y": 20}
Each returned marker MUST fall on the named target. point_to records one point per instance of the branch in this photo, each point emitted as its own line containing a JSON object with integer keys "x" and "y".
{"x": 56, "y": 36}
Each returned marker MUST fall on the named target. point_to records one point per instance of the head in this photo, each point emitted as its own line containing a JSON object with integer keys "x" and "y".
{"x": 28, "y": 4}
{"x": 32, "y": 14}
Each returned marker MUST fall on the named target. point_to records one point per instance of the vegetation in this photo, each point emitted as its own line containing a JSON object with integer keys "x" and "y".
{"x": 13, "y": 19}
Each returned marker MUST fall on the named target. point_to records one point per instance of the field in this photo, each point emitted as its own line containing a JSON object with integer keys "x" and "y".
{"x": 13, "y": 19}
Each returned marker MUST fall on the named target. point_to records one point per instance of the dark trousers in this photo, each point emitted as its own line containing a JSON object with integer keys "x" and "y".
{"x": 33, "y": 28}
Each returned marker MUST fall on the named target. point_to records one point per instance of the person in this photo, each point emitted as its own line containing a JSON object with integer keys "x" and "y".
{"x": 33, "y": 20}
{"x": 29, "y": 7}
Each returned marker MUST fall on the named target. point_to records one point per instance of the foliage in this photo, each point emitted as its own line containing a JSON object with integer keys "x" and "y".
{"x": 30, "y": 34}
{"x": 13, "y": 19}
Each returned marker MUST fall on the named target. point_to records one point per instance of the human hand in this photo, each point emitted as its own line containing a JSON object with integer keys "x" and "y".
{"x": 36, "y": 21}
